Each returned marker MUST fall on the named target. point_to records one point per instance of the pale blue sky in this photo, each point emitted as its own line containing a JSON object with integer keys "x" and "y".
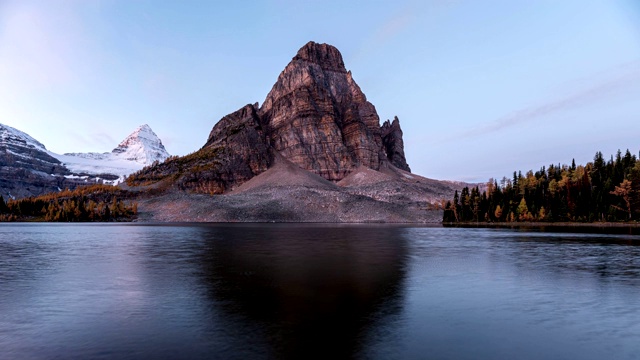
{"x": 482, "y": 88}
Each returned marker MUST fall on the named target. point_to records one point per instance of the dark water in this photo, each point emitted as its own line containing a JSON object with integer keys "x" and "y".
{"x": 295, "y": 291}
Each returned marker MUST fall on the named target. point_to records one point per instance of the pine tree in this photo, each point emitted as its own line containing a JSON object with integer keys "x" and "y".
{"x": 456, "y": 206}
{"x": 3, "y": 206}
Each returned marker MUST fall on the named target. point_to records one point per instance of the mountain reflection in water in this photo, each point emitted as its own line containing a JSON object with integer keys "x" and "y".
{"x": 304, "y": 291}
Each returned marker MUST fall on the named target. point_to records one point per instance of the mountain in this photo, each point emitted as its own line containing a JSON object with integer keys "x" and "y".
{"x": 141, "y": 148}
{"x": 318, "y": 118}
{"x": 27, "y": 168}
{"x": 314, "y": 151}
{"x": 315, "y": 116}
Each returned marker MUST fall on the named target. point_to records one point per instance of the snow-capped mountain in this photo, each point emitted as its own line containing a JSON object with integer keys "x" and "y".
{"x": 142, "y": 147}
{"x": 27, "y": 168}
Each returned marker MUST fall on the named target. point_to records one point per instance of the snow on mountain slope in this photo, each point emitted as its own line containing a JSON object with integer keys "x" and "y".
{"x": 142, "y": 147}
{"x": 12, "y": 136}
{"x": 96, "y": 166}
{"x": 26, "y": 168}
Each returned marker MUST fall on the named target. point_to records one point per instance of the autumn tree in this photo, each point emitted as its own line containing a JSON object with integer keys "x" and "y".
{"x": 498, "y": 212}
{"x": 596, "y": 191}
{"x": 625, "y": 192}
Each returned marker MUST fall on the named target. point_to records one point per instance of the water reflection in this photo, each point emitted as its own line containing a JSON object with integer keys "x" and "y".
{"x": 312, "y": 291}
{"x": 304, "y": 291}
{"x": 607, "y": 257}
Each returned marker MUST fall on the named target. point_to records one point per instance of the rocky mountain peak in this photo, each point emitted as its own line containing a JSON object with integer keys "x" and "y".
{"x": 142, "y": 133}
{"x": 315, "y": 116}
{"x": 142, "y": 146}
{"x": 325, "y": 55}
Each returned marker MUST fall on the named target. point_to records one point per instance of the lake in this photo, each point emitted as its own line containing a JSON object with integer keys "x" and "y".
{"x": 134, "y": 291}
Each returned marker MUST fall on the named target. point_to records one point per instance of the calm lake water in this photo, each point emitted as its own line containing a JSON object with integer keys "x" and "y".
{"x": 314, "y": 291}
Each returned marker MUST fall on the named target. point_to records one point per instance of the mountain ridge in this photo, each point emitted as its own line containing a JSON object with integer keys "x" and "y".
{"x": 27, "y": 168}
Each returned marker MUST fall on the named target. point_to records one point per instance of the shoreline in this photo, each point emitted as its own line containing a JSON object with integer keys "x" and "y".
{"x": 144, "y": 221}
{"x": 544, "y": 224}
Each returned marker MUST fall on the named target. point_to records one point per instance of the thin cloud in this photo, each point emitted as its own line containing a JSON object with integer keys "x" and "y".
{"x": 387, "y": 31}
{"x": 596, "y": 92}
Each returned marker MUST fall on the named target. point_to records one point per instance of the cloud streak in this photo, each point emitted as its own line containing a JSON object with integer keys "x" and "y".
{"x": 386, "y": 31}
{"x": 625, "y": 79}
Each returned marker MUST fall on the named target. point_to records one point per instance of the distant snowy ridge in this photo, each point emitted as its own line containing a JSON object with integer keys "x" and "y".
{"x": 141, "y": 148}
{"x": 90, "y": 155}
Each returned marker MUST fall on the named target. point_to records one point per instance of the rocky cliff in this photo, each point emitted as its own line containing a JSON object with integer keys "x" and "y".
{"x": 26, "y": 168}
{"x": 318, "y": 118}
{"x": 315, "y": 116}
{"x": 393, "y": 144}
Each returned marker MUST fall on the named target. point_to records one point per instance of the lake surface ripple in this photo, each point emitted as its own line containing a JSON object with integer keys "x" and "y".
{"x": 111, "y": 291}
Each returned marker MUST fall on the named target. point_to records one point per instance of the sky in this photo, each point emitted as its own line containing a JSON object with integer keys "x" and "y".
{"x": 481, "y": 88}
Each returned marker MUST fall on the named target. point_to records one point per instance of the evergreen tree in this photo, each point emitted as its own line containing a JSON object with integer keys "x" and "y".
{"x": 3, "y": 206}
{"x": 598, "y": 191}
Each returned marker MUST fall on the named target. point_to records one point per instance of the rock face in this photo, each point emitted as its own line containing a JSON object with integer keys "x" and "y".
{"x": 315, "y": 116}
{"x": 318, "y": 118}
{"x": 393, "y": 144}
{"x": 26, "y": 168}
{"x": 241, "y": 139}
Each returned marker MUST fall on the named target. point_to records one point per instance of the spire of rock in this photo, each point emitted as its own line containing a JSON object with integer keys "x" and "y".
{"x": 393, "y": 144}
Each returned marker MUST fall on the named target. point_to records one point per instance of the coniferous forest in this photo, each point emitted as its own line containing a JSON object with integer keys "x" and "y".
{"x": 89, "y": 203}
{"x": 600, "y": 191}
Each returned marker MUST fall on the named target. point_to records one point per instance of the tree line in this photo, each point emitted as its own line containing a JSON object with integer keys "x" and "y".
{"x": 89, "y": 203}
{"x": 602, "y": 190}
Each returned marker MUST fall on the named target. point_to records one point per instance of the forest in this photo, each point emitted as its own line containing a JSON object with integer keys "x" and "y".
{"x": 600, "y": 191}
{"x": 88, "y": 203}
